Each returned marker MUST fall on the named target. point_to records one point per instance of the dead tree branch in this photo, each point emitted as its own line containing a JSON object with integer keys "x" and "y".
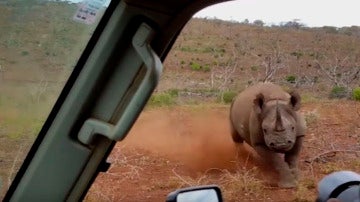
{"x": 340, "y": 72}
{"x": 312, "y": 160}
{"x": 223, "y": 73}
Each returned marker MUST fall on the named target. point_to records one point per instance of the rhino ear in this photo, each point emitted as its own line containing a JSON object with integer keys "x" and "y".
{"x": 295, "y": 100}
{"x": 259, "y": 103}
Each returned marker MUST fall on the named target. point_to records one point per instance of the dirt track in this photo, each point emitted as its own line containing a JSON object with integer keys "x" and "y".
{"x": 176, "y": 147}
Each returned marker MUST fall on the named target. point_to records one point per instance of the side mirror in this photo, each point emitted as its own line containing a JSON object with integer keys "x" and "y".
{"x": 207, "y": 193}
{"x": 341, "y": 185}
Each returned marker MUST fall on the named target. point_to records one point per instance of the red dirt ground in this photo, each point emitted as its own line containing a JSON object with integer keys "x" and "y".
{"x": 175, "y": 147}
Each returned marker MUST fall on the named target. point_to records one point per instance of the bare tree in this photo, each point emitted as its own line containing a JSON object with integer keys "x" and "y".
{"x": 306, "y": 80}
{"x": 271, "y": 65}
{"x": 222, "y": 74}
{"x": 271, "y": 62}
{"x": 38, "y": 90}
{"x": 340, "y": 71}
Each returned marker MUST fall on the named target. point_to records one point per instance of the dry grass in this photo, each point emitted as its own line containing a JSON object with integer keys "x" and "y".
{"x": 305, "y": 191}
{"x": 330, "y": 167}
{"x": 21, "y": 119}
{"x": 172, "y": 183}
{"x": 311, "y": 117}
{"x": 243, "y": 182}
{"x": 131, "y": 165}
{"x": 97, "y": 193}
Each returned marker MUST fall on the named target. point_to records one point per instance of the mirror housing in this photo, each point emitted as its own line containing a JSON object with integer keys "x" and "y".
{"x": 341, "y": 185}
{"x": 206, "y": 193}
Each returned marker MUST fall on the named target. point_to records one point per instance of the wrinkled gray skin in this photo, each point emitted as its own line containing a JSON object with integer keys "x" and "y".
{"x": 266, "y": 117}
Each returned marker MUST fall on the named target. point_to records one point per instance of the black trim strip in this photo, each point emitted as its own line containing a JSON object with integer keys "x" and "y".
{"x": 338, "y": 190}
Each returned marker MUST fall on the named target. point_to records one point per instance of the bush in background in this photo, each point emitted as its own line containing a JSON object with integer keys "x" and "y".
{"x": 338, "y": 92}
{"x": 198, "y": 67}
{"x": 227, "y": 96}
{"x": 167, "y": 98}
{"x": 356, "y": 94}
{"x": 290, "y": 79}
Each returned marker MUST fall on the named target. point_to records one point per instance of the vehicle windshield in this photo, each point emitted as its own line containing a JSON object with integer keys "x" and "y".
{"x": 40, "y": 43}
{"x": 182, "y": 138}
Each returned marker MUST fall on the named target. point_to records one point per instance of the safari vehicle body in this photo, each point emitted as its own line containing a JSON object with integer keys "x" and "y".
{"x": 109, "y": 86}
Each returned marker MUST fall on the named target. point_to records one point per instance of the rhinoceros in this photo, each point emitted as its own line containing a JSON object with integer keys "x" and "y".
{"x": 267, "y": 118}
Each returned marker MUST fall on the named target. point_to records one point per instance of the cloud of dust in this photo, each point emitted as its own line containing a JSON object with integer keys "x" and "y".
{"x": 200, "y": 140}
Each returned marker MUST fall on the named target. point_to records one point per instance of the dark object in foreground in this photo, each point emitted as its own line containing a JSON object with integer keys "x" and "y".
{"x": 341, "y": 186}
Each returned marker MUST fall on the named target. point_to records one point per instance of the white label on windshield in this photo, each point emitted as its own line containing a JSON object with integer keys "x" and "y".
{"x": 88, "y": 11}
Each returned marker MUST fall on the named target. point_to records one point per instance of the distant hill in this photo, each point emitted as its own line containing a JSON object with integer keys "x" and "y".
{"x": 232, "y": 55}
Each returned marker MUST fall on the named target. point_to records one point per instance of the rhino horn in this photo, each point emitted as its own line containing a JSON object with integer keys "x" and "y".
{"x": 278, "y": 124}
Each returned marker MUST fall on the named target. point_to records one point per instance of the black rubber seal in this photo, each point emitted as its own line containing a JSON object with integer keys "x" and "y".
{"x": 338, "y": 190}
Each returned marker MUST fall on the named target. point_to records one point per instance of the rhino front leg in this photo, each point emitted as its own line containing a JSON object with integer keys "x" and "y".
{"x": 291, "y": 157}
{"x": 286, "y": 177}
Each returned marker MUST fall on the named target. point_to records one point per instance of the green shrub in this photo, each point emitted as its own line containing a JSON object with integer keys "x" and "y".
{"x": 173, "y": 92}
{"x": 227, "y": 96}
{"x": 198, "y": 67}
{"x": 187, "y": 49}
{"x": 161, "y": 99}
{"x": 297, "y": 54}
{"x": 290, "y": 79}
{"x": 254, "y": 68}
{"x": 195, "y": 66}
{"x": 356, "y": 93}
{"x": 24, "y": 53}
{"x": 206, "y": 68}
{"x": 164, "y": 98}
{"x": 338, "y": 92}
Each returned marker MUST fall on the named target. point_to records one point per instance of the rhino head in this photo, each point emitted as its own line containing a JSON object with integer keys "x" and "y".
{"x": 278, "y": 121}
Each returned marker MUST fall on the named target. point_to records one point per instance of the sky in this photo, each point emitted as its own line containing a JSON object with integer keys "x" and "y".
{"x": 312, "y": 13}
